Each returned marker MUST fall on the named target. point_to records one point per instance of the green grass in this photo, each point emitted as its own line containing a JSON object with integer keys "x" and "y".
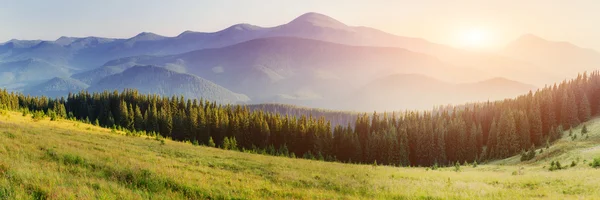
{"x": 71, "y": 160}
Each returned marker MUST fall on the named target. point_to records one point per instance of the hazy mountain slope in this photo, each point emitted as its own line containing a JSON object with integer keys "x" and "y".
{"x": 292, "y": 70}
{"x": 112, "y": 67}
{"x": 56, "y": 87}
{"x": 321, "y": 27}
{"x": 414, "y": 91}
{"x": 30, "y": 71}
{"x": 559, "y": 57}
{"x": 156, "y": 80}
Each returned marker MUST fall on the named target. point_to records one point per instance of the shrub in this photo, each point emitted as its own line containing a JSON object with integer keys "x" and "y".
{"x": 595, "y": 163}
{"x": 52, "y": 115}
{"x": 573, "y": 164}
{"x": 474, "y": 164}
{"x": 457, "y": 166}
{"x": 435, "y": 166}
{"x": 570, "y": 132}
{"x": 555, "y": 166}
{"x": 211, "y": 142}
{"x": 528, "y": 155}
{"x": 37, "y": 116}
{"x": 584, "y": 130}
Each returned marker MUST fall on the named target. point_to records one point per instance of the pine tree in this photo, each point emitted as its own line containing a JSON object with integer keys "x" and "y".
{"x": 523, "y": 130}
{"x": 492, "y": 140}
{"x": 535, "y": 122}
{"x": 569, "y": 116}
{"x": 584, "y": 109}
{"x": 508, "y": 142}
{"x": 138, "y": 119}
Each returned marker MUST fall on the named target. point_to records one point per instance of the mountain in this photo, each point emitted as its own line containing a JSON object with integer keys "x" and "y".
{"x": 161, "y": 81}
{"x": 93, "y": 51}
{"x": 295, "y": 70}
{"x": 311, "y": 60}
{"x": 84, "y": 54}
{"x": 30, "y": 70}
{"x": 56, "y": 87}
{"x": 559, "y": 57}
{"x": 110, "y": 68}
{"x": 321, "y": 27}
{"x": 415, "y": 91}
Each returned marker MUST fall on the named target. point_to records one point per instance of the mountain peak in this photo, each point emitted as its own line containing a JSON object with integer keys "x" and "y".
{"x": 186, "y": 33}
{"x": 530, "y": 38}
{"x": 243, "y": 27}
{"x": 147, "y": 36}
{"x": 317, "y": 19}
{"x": 64, "y": 40}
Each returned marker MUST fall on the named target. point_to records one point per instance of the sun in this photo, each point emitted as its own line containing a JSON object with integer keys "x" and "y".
{"x": 474, "y": 38}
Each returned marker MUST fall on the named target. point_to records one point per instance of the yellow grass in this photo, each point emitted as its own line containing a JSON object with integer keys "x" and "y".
{"x": 71, "y": 160}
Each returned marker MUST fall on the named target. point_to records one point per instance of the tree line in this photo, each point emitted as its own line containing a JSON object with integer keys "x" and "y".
{"x": 442, "y": 136}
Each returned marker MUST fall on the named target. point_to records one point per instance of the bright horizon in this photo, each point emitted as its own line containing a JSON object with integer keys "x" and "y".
{"x": 461, "y": 24}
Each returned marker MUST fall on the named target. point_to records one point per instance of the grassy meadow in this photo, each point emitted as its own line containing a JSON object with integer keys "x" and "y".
{"x": 71, "y": 160}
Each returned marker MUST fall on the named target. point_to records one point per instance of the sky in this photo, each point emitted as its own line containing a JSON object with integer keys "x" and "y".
{"x": 483, "y": 24}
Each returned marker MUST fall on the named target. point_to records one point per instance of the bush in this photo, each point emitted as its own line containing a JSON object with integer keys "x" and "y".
{"x": 528, "y": 155}
{"x": 457, "y": 166}
{"x": 595, "y": 163}
{"x": 37, "y": 116}
{"x": 555, "y": 166}
{"x": 435, "y": 166}
{"x": 211, "y": 142}
{"x": 570, "y": 132}
{"x": 573, "y": 164}
{"x": 584, "y": 130}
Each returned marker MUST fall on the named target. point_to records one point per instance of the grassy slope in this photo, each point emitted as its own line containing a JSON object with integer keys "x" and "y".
{"x": 71, "y": 160}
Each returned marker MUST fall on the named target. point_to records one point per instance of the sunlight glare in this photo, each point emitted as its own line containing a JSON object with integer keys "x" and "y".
{"x": 474, "y": 38}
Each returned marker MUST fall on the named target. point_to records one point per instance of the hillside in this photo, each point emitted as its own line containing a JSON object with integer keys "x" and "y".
{"x": 30, "y": 71}
{"x": 65, "y": 159}
{"x": 164, "y": 82}
{"x": 415, "y": 91}
{"x": 56, "y": 87}
{"x": 553, "y": 56}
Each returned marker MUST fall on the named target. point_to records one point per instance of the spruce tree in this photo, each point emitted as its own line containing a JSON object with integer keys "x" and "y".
{"x": 584, "y": 109}
{"x": 569, "y": 116}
